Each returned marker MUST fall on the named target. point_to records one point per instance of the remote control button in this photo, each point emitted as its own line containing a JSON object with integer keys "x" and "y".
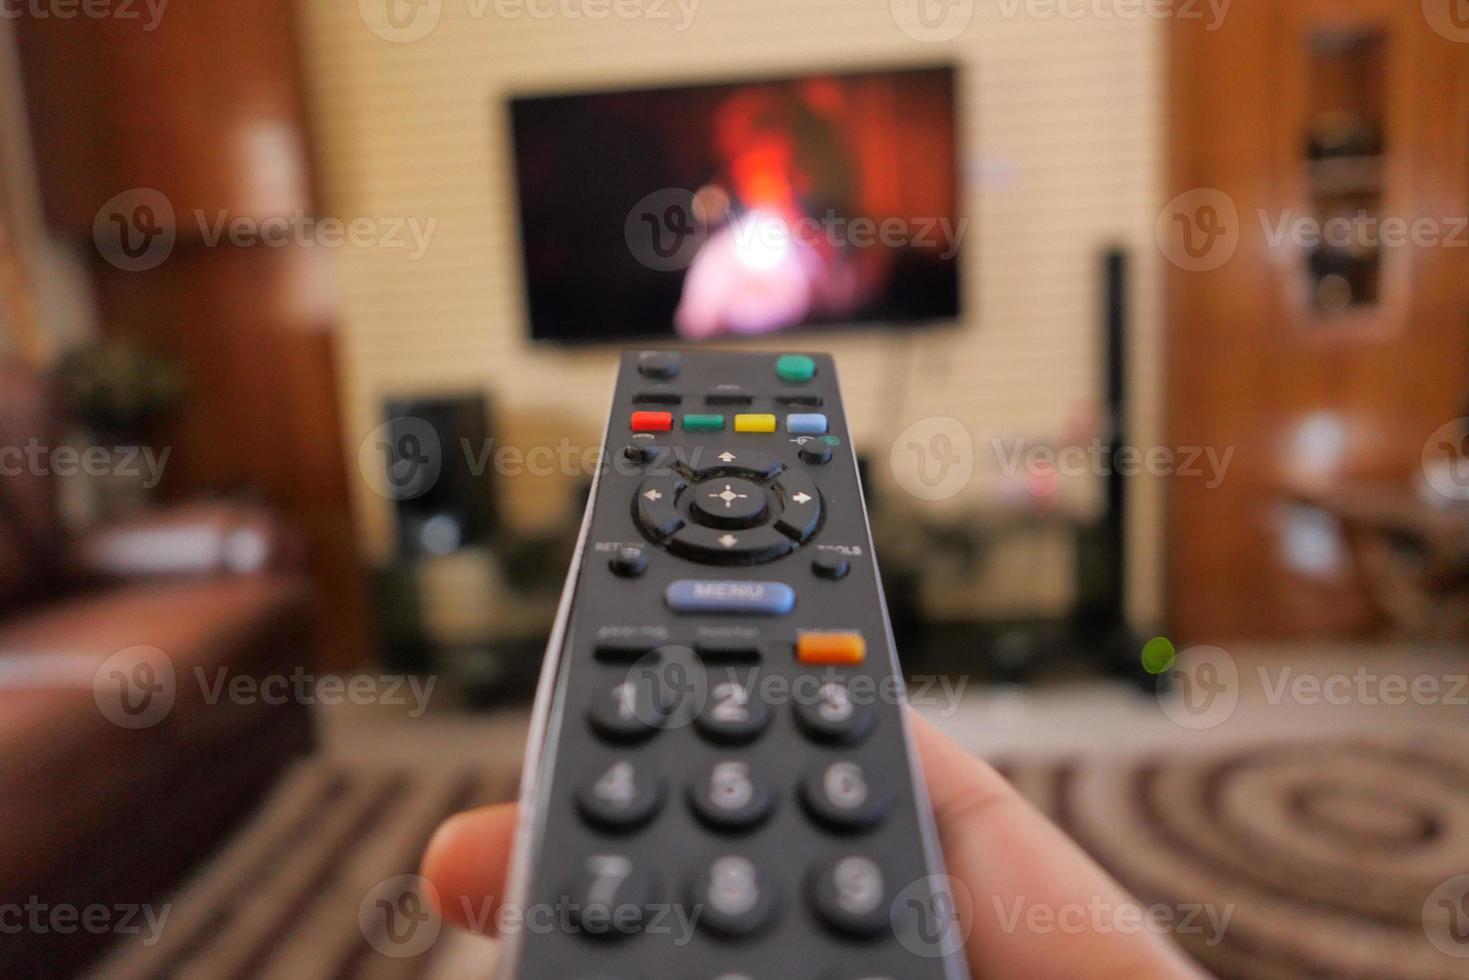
{"x": 658, "y": 364}
{"x": 850, "y": 895}
{"x": 728, "y": 395}
{"x": 629, "y": 562}
{"x": 834, "y": 717}
{"x": 720, "y": 547}
{"x": 656, "y": 511}
{"x": 622, "y": 798}
{"x": 641, "y": 452}
{"x": 729, "y": 797}
{"x": 831, "y": 649}
{"x": 815, "y": 451}
{"x": 703, "y": 423}
{"x": 802, "y": 511}
{"x": 830, "y": 566}
{"x": 734, "y": 898}
{"x": 842, "y": 796}
{"x": 657, "y": 398}
{"x": 628, "y": 644}
{"x": 795, "y": 368}
{"x": 733, "y": 715}
{"x": 734, "y": 462}
{"x": 736, "y": 649}
{"x": 708, "y": 596}
{"x": 799, "y": 401}
{"x": 728, "y": 502}
{"x": 754, "y": 423}
{"x": 810, "y": 424}
{"x": 651, "y": 421}
{"x": 610, "y": 897}
{"x": 630, "y": 711}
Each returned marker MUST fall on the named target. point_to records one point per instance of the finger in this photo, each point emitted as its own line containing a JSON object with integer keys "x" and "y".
{"x": 467, "y": 861}
{"x": 1012, "y": 860}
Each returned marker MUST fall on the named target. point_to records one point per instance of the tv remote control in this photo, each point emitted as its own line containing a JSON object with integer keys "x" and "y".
{"x": 720, "y": 783}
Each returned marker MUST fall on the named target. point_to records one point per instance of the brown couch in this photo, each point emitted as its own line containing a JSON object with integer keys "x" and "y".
{"x": 122, "y": 759}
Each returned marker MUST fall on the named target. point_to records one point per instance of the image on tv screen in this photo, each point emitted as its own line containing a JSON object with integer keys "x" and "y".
{"x": 741, "y": 209}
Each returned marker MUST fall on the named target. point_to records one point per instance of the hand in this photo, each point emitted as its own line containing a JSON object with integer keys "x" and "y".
{"x": 999, "y": 846}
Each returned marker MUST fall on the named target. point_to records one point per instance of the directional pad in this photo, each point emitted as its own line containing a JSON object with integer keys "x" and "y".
{"x": 728, "y": 502}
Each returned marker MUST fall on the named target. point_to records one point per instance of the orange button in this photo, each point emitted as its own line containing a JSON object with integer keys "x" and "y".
{"x": 652, "y": 421}
{"x": 831, "y": 648}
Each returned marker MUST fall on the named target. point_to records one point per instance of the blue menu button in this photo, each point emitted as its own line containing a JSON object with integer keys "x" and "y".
{"x": 706, "y": 596}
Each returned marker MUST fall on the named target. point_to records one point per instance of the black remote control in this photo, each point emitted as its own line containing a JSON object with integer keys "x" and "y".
{"x": 720, "y": 783}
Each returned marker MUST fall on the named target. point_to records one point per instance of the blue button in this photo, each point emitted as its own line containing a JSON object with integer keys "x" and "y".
{"x": 812, "y": 424}
{"x": 705, "y": 596}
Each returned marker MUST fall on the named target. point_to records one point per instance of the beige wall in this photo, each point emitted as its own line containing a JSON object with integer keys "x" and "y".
{"x": 1061, "y": 125}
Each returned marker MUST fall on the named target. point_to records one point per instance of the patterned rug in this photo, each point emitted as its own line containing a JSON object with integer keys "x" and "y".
{"x": 1316, "y": 859}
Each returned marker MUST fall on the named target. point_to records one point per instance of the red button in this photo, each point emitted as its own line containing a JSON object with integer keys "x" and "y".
{"x": 652, "y": 421}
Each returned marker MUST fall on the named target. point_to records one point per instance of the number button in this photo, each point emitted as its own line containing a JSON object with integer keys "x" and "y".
{"x": 833, "y": 716}
{"x": 629, "y": 711}
{"x": 733, "y": 898}
{"x": 733, "y": 715}
{"x": 621, "y": 798}
{"x": 610, "y": 897}
{"x": 850, "y": 896}
{"x": 730, "y": 797}
{"x": 843, "y": 797}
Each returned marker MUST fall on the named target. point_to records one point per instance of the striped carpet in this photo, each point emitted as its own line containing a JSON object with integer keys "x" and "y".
{"x": 1327, "y": 856}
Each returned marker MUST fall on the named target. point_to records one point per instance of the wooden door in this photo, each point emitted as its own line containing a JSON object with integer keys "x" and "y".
{"x": 1311, "y": 381}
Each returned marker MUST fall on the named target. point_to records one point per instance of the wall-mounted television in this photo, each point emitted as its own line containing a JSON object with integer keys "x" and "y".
{"x": 819, "y": 201}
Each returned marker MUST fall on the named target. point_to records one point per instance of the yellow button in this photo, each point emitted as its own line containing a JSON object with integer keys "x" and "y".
{"x": 754, "y": 423}
{"x": 831, "y": 648}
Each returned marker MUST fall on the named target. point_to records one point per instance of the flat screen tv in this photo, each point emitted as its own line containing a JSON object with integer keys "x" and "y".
{"x": 739, "y": 209}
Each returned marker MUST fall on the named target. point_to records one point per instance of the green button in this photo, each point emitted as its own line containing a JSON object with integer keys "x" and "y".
{"x": 703, "y": 423}
{"x": 795, "y": 367}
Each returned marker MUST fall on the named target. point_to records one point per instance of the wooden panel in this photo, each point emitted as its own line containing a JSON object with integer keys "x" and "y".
{"x": 1247, "y": 369}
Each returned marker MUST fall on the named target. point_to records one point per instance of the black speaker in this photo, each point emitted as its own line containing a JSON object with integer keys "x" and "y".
{"x": 440, "y": 473}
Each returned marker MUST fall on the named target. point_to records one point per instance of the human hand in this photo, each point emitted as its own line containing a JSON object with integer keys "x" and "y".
{"x": 995, "y": 843}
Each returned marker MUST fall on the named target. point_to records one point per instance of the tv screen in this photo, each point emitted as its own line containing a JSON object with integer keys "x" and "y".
{"x": 747, "y": 208}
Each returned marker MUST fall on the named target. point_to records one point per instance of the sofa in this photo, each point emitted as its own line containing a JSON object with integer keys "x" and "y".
{"x": 129, "y": 746}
